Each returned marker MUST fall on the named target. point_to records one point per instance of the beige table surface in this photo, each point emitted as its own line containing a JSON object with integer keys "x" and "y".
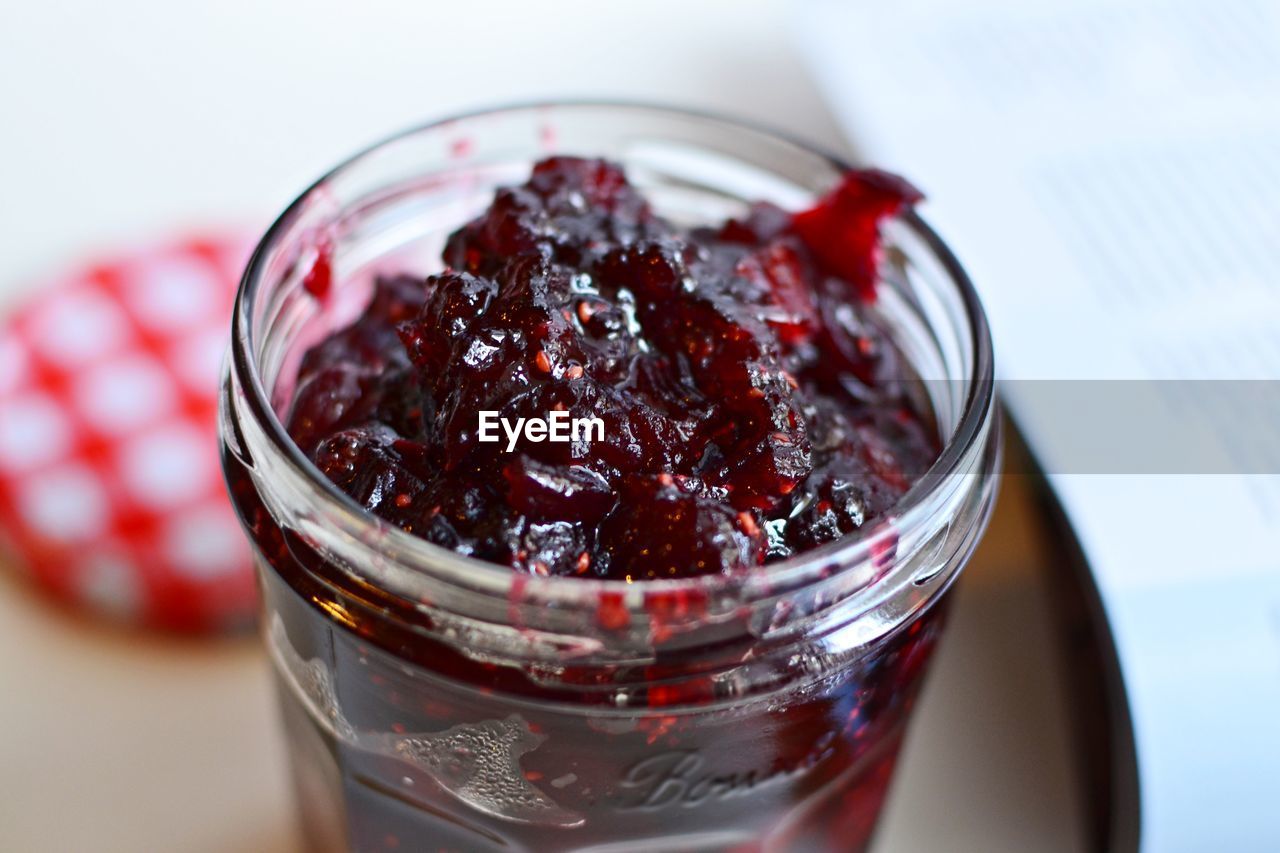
{"x": 118, "y": 742}
{"x": 137, "y": 117}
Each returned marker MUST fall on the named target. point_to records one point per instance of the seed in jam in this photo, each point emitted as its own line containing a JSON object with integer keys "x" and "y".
{"x": 753, "y": 405}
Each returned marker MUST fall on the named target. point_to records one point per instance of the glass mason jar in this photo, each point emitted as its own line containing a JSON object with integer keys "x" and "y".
{"x": 432, "y": 701}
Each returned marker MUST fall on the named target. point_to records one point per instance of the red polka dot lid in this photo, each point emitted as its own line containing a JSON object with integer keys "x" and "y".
{"x": 111, "y": 495}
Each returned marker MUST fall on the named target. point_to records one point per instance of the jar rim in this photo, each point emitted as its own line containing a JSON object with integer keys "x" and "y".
{"x": 483, "y": 577}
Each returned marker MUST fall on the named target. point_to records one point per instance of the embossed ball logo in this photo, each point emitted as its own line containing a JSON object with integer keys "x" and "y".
{"x": 682, "y": 778}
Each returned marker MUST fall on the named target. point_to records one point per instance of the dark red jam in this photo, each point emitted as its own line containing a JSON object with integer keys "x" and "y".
{"x": 752, "y": 409}
{"x": 749, "y": 408}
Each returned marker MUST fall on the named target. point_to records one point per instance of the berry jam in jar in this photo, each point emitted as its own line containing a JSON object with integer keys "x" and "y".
{"x": 607, "y": 468}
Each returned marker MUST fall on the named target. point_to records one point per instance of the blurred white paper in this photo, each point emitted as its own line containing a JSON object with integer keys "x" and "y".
{"x": 1109, "y": 173}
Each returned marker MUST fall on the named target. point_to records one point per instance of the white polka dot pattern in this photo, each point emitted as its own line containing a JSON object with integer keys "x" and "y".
{"x": 66, "y": 504}
{"x": 110, "y": 491}
{"x": 124, "y": 394}
{"x": 111, "y": 586}
{"x": 166, "y": 467}
{"x": 173, "y": 293}
{"x": 78, "y": 327}
{"x": 33, "y": 431}
{"x": 204, "y": 544}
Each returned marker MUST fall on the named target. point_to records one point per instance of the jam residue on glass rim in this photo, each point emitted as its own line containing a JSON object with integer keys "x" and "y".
{"x": 752, "y": 406}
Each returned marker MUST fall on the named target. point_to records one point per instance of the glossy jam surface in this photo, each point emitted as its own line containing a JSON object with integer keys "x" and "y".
{"x": 751, "y": 408}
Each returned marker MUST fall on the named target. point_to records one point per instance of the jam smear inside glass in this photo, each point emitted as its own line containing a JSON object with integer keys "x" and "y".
{"x": 752, "y": 409}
